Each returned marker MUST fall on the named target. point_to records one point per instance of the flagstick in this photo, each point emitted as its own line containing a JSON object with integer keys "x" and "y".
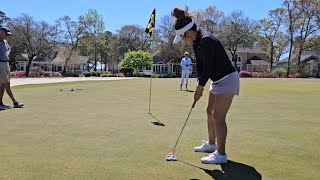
{"x": 143, "y": 44}
{"x": 159, "y": 123}
{"x": 149, "y": 30}
{"x": 150, "y": 92}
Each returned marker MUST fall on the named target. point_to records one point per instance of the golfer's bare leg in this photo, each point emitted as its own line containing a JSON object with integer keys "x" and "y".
{"x": 211, "y": 123}
{"x": 9, "y": 92}
{"x": 1, "y": 92}
{"x": 222, "y": 103}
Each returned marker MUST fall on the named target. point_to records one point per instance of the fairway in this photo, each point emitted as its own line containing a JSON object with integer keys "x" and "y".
{"x": 102, "y": 131}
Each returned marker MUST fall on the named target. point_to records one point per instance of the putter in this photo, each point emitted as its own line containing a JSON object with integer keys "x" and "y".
{"x": 171, "y": 156}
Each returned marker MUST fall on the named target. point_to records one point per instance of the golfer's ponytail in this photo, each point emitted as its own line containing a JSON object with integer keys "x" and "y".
{"x": 182, "y": 18}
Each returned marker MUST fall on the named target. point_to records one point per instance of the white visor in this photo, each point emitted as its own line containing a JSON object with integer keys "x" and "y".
{"x": 180, "y": 32}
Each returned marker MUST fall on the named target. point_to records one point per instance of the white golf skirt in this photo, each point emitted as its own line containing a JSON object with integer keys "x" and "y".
{"x": 227, "y": 84}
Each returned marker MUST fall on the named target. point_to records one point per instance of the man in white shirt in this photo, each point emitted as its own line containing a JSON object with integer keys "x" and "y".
{"x": 186, "y": 67}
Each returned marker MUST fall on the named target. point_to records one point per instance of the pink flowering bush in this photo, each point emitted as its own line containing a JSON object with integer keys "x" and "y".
{"x": 292, "y": 76}
{"x": 57, "y": 74}
{"x": 52, "y": 74}
{"x": 245, "y": 74}
{"x": 271, "y": 75}
{"x": 256, "y": 74}
{"x": 298, "y": 75}
{"x": 18, "y": 74}
{"x": 34, "y": 74}
{"x": 301, "y": 75}
{"x": 48, "y": 74}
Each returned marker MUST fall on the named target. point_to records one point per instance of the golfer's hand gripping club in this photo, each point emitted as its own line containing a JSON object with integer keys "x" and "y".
{"x": 198, "y": 93}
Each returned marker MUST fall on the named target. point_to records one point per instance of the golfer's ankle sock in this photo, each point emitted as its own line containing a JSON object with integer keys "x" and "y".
{"x": 222, "y": 154}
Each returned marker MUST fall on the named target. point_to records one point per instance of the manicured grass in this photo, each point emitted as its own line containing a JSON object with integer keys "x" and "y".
{"x": 103, "y": 131}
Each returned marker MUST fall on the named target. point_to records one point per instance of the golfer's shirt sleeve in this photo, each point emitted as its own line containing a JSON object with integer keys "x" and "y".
{"x": 207, "y": 56}
{"x": 3, "y": 51}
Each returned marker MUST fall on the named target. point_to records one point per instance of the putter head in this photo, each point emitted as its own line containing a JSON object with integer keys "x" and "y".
{"x": 171, "y": 157}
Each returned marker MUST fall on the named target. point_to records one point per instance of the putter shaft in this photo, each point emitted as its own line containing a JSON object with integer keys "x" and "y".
{"x": 174, "y": 149}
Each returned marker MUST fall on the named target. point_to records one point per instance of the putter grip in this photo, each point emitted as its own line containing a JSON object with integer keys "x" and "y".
{"x": 194, "y": 103}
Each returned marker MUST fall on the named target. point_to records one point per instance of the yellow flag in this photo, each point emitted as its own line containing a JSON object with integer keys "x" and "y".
{"x": 151, "y": 24}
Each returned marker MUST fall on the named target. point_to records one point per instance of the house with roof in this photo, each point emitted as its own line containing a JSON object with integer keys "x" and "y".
{"x": 309, "y": 58}
{"x": 250, "y": 59}
{"x": 175, "y": 67}
{"x": 75, "y": 63}
{"x": 161, "y": 67}
{"x": 158, "y": 67}
{"x": 38, "y": 61}
{"x": 55, "y": 62}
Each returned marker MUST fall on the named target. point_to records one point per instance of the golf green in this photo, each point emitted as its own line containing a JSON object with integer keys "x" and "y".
{"x": 102, "y": 131}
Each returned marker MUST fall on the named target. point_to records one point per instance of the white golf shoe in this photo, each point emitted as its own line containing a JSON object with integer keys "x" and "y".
{"x": 206, "y": 147}
{"x": 215, "y": 158}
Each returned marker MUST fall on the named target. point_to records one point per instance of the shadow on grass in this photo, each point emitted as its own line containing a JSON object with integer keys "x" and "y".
{"x": 77, "y": 89}
{"x": 157, "y": 122}
{"x": 9, "y": 108}
{"x": 231, "y": 171}
{"x": 187, "y": 90}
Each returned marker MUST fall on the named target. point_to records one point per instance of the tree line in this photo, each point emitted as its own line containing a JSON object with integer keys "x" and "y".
{"x": 290, "y": 29}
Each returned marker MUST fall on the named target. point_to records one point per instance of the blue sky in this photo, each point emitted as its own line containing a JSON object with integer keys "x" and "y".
{"x": 117, "y": 13}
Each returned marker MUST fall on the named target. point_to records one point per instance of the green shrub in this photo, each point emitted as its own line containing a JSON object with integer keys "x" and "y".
{"x": 70, "y": 74}
{"x": 92, "y": 73}
{"x": 120, "y": 75}
{"x": 127, "y": 71}
{"x": 280, "y": 72}
{"x": 137, "y": 74}
{"x": 86, "y": 74}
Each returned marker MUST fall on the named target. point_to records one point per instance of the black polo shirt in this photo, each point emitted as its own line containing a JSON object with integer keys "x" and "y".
{"x": 211, "y": 57}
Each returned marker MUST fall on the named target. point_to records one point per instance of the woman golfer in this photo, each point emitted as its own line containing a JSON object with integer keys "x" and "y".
{"x": 212, "y": 63}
